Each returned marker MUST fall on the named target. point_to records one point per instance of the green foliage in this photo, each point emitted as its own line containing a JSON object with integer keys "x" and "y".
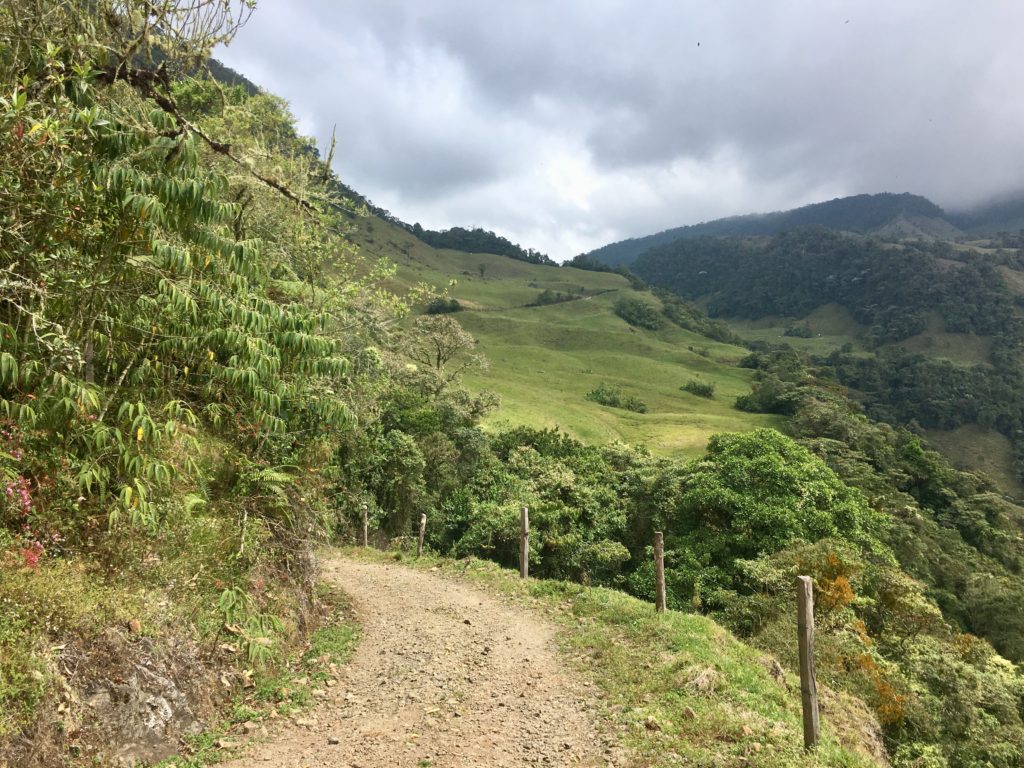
{"x": 740, "y": 523}
{"x": 589, "y": 263}
{"x": 174, "y": 360}
{"x": 161, "y": 312}
{"x": 760, "y": 492}
{"x": 613, "y": 397}
{"x": 442, "y": 306}
{"x": 547, "y": 297}
{"x": 894, "y": 291}
{"x": 889, "y": 288}
{"x": 902, "y": 388}
{"x": 699, "y": 388}
{"x": 687, "y": 316}
{"x": 638, "y": 313}
{"x": 799, "y": 331}
{"x": 947, "y": 528}
{"x": 479, "y": 241}
{"x": 255, "y": 628}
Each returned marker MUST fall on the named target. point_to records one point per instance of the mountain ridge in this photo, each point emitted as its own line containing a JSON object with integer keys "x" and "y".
{"x": 885, "y": 214}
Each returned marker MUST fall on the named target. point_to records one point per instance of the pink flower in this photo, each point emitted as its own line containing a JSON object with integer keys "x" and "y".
{"x": 31, "y": 555}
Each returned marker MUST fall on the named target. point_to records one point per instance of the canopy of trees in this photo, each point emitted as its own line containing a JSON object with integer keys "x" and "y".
{"x": 478, "y": 241}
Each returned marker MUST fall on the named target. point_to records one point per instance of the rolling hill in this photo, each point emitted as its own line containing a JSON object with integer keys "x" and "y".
{"x": 818, "y": 290}
{"x": 544, "y": 359}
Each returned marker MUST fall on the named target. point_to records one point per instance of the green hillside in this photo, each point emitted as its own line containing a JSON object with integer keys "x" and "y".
{"x": 544, "y": 359}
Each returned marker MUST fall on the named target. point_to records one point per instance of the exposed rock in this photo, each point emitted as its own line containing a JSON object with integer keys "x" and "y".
{"x": 129, "y": 700}
{"x": 705, "y": 681}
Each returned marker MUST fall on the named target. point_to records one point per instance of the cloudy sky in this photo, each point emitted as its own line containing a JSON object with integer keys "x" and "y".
{"x": 567, "y": 124}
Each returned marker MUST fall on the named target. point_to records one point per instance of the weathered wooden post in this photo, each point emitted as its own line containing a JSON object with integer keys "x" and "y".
{"x": 423, "y": 532}
{"x": 524, "y": 543}
{"x": 805, "y": 634}
{"x": 366, "y": 526}
{"x": 659, "y": 571}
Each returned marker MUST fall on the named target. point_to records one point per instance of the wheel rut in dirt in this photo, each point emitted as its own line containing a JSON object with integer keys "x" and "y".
{"x": 444, "y": 676}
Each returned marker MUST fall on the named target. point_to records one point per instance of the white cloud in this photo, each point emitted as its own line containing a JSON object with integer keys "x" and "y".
{"x": 566, "y": 125}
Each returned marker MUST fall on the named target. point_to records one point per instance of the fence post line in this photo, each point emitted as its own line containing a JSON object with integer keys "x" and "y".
{"x": 805, "y": 636}
{"x": 366, "y": 526}
{"x": 524, "y": 543}
{"x": 659, "y": 571}
{"x": 423, "y": 532}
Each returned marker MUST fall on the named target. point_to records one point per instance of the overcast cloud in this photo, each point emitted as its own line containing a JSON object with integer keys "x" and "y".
{"x": 567, "y": 124}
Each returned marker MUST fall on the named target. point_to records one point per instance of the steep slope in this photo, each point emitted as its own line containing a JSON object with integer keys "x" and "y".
{"x": 545, "y": 359}
{"x": 900, "y": 215}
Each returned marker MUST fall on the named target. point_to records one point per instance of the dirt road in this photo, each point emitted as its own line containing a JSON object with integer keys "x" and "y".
{"x": 444, "y": 676}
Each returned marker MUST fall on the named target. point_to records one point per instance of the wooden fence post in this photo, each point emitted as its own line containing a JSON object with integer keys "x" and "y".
{"x": 524, "y": 543}
{"x": 366, "y": 526}
{"x": 659, "y": 571}
{"x": 423, "y": 532}
{"x": 805, "y": 634}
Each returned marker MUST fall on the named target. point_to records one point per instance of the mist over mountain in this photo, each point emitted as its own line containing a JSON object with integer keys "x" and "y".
{"x": 1002, "y": 214}
{"x": 886, "y": 214}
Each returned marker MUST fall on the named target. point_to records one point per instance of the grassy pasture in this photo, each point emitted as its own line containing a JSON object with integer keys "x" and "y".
{"x": 544, "y": 359}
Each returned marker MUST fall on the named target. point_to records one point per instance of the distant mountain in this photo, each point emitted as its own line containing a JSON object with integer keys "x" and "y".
{"x": 1004, "y": 214}
{"x": 888, "y": 288}
{"x": 222, "y": 73}
{"x": 887, "y": 214}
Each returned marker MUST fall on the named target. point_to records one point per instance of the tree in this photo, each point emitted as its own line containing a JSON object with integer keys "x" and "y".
{"x": 760, "y": 492}
{"x": 444, "y": 350}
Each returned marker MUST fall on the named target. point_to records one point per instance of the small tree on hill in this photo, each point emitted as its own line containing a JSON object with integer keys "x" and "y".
{"x": 443, "y": 348}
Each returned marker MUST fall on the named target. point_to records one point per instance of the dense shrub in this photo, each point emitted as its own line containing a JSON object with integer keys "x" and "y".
{"x": 547, "y": 296}
{"x": 638, "y": 313}
{"x": 799, "y": 331}
{"x": 442, "y": 306}
{"x": 613, "y": 397}
{"x": 699, "y": 388}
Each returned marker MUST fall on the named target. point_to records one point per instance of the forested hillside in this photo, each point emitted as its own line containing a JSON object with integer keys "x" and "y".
{"x": 889, "y": 288}
{"x": 202, "y": 378}
{"x": 478, "y": 241}
{"x": 894, "y": 293}
{"x": 862, "y": 214}
{"x": 897, "y": 216}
